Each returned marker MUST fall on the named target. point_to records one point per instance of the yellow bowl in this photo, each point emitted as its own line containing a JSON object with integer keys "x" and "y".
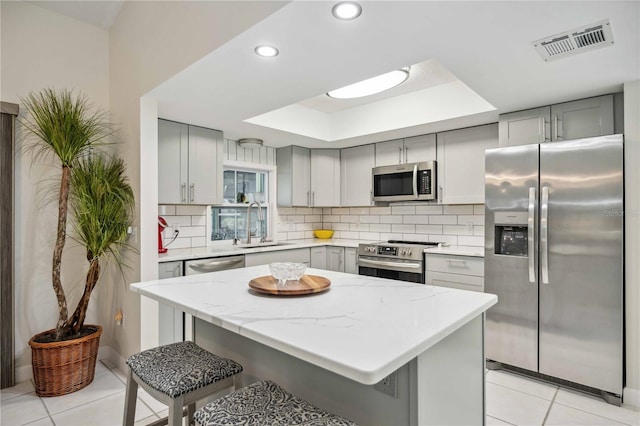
{"x": 323, "y": 233}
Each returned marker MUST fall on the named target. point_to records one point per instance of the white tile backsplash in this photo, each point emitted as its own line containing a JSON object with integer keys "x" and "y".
{"x": 455, "y": 225}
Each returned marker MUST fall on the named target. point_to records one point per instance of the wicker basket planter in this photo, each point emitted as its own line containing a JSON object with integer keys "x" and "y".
{"x": 63, "y": 367}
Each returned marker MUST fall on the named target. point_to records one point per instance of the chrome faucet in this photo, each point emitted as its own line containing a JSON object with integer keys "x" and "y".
{"x": 259, "y": 225}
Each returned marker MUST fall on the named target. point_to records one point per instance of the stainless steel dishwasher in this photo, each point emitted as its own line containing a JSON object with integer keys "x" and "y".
{"x": 175, "y": 325}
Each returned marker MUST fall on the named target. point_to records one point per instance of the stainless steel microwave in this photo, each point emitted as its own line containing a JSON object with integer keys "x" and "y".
{"x": 405, "y": 182}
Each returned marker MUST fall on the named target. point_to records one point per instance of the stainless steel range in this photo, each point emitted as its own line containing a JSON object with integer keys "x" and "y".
{"x": 394, "y": 259}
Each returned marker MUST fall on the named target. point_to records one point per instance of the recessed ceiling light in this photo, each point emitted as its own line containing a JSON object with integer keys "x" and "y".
{"x": 266, "y": 51}
{"x": 346, "y": 10}
{"x": 371, "y": 86}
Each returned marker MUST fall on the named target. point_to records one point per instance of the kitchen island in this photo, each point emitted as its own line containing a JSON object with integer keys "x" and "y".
{"x": 423, "y": 343}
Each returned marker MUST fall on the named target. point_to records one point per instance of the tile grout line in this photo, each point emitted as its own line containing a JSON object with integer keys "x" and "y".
{"x": 594, "y": 414}
{"x": 522, "y": 392}
{"x": 553, "y": 400}
{"x": 137, "y": 393}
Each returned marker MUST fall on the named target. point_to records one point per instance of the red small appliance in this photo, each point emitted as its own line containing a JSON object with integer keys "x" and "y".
{"x": 162, "y": 225}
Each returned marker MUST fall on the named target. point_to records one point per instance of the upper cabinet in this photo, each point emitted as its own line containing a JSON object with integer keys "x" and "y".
{"x": 308, "y": 177}
{"x": 356, "y": 165}
{"x": 569, "y": 120}
{"x": 408, "y": 150}
{"x": 189, "y": 164}
{"x": 461, "y": 163}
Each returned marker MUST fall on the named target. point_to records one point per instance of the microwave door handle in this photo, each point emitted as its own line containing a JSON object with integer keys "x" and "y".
{"x": 415, "y": 181}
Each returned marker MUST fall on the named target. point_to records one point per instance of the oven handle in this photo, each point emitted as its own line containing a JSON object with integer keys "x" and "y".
{"x": 393, "y": 266}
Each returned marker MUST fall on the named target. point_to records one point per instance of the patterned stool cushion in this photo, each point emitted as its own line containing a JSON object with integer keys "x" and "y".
{"x": 265, "y": 403}
{"x": 180, "y": 368}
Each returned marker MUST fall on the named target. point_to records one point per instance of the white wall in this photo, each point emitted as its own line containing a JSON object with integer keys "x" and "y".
{"x": 42, "y": 49}
{"x": 632, "y": 238}
{"x": 149, "y": 43}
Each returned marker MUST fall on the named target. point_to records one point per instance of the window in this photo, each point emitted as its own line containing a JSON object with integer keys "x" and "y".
{"x": 241, "y": 188}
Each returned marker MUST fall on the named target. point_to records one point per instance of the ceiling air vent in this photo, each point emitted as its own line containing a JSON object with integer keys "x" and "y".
{"x": 575, "y": 41}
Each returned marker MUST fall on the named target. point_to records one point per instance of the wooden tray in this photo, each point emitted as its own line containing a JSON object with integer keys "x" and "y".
{"x": 308, "y": 284}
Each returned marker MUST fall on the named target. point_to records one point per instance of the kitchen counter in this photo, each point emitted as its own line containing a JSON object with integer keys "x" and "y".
{"x": 457, "y": 251}
{"x": 230, "y": 250}
{"x": 359, "y": 332}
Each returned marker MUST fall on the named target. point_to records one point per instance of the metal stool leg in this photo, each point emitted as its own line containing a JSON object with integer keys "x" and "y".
{"x": 131, "y": 397}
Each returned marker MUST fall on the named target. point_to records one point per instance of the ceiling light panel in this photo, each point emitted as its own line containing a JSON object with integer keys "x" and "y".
{"x": 266, "y": 51}
{"x": 372, "y": 85}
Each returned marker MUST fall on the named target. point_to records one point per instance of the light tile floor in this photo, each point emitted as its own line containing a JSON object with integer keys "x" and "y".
{"x": 511, "y": 400}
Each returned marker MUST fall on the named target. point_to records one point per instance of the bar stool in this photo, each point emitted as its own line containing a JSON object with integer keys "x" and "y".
{"x": 178, "y": 375}
{"x": 265, "y": 403}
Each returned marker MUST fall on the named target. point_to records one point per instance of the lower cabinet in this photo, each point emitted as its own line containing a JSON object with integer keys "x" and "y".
{"x": 350, "y": 260}
{"x": 463, "y": 272}
{"x": 333, "y": 258}
{"x": 319, "y": 257}
{"x": 294, "y": 255}
{"x": 170, "y": 321}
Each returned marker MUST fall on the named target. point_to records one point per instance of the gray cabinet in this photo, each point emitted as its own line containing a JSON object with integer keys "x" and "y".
{"x": 294, "y": 255}
{"x": 409, "y": 150}
{"x": 461, "y": 163}
{"x": 569, "y": 120}
{"x": 335, "y": 258}
{"x": 170, "y": 321}
{"x": 189, "y": 164}
{"x": 355, "y": 169}
{"x": 350, "y": 260}
{"x": 308, "y": 177}
{"x": 463, "y": 272}
{"x": 319, "y": 257}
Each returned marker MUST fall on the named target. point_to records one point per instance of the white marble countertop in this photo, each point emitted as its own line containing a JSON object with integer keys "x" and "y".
{"x": 363, "y": 328}
{"x": 227, "y": 249}
{"x": 457, "y": 251}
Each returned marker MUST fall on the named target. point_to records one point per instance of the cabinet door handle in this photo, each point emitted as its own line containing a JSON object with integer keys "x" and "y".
{"x": 371, "y": 198}
{"x": 308, "y": 199}
{"x": 313, "y": 198}
{"x": 458, "y": 261}
{"x": 400, "y": 155}
{"x": 406, "y": 154}
{"x": 192, "y": 191}
{"x": 541, "y": 135}
{"x": 183, "y": 192}
{"x": 555, "y": 127}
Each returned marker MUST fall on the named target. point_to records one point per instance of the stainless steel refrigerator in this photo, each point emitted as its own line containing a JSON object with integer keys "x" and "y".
{"x": 554, "y": 256}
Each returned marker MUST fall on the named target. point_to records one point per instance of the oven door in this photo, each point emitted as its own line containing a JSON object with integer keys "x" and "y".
{"x": 396, "y": 269}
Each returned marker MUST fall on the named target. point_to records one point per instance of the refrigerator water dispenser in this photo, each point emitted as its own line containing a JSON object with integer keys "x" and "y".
{"x": 511, "y": 233}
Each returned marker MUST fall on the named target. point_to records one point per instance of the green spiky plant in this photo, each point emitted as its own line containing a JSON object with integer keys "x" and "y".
{"x": 64, "y": 126}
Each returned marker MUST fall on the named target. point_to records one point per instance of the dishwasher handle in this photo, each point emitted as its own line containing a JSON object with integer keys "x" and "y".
{"x": 217, "y": 265}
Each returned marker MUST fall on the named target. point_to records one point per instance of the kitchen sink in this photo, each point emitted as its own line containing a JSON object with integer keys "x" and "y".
{"x": 265, "y": 244}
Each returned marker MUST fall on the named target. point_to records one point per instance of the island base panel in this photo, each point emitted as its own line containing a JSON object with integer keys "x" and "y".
{"x": 444, "y": 385}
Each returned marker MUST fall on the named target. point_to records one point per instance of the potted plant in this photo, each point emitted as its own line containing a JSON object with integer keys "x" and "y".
{"x": 94, "y": 189}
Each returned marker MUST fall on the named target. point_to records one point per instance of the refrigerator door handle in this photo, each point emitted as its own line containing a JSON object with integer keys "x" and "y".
{"x": 544, "y": 237}
{"x": 531, "y": 235}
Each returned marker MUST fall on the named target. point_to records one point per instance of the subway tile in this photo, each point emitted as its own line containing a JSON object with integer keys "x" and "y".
{"x": 459, "y": 209}
{"x": 350, "y": 235}
{"x": 178, "y": 220}
{"x": 349, "y": 219}
{"x": 192, "y": 231}
{"x": 359, "y": 227}
{"x": 295, "y": 235}
{"x": 465, "y": 240}
{"x": 308, "y": 235}
{"x": 326, "y": 210}
{"x": 478, "y": 209}
{"x": 341, "y": 226}
{"x": 403, "y": 210}
{"x": 191, "y": 210}
{"x": 317, "y": 210}
{"x": 313, "y": 218}
{"x": 340, "y": 210}
{"x": 478, "y": 231}
{"x": 429, "y": 229}
{"x": 285, "y": 211}
{"x": 303, "y": 210}
{"x": 428, "y": 209}
{"x": 337, "y": 234}
{"x": 198, "y": 242}
{"x": 295, "y": 219}
{"x": 369, "y": 219}
{"x": 371, "y": 236}
{"x": 456, "y": 230}
{"x": 318, "y": 225}
{"x": 283, "y": 236}
{"x": 380, "y": 227}
{"x": 359, "y": 210}
{"x": 180, "y": 243}
{"x": 391, "y": 219}
{"x": 415, "y": 219}
{"x": 463, "y": 219}
{"x": 385, "y": 236}
{"x": 166, "y": 210}
{"x": 443, "y": 220}
{"x": 198, "y": 220}
{"x": 403, "y": 228}
{"x": 379, "y": 210}
{"x": 414, "y": 237}
{"x": 329, "y": 218}
{"x": 304, "y": 227}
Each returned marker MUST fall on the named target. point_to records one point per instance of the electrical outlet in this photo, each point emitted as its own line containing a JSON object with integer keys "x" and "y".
{"x": 388, "y": 385}
{"x": 470, "y": 227}
{"x": 132, "y": 234}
